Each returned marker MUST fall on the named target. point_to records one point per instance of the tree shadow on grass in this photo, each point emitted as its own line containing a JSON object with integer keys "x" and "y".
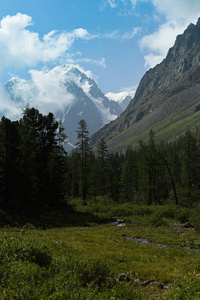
{"x": 45, "y": 218}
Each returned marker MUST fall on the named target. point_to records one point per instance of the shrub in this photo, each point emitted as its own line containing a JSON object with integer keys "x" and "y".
{"x": 168, "y": 212}
{"x": 143, "y": 210}
{"x": 194, "y": 219}
{"x": 18, "y": 246}
{"x": 187, "y": 290}
{"x": 121, "y": 211}
{"x": 182, "y": 214}
{"x": 156, "y": 220}
{"x": 34, "y": 252}
{"x": 91, "y": 270}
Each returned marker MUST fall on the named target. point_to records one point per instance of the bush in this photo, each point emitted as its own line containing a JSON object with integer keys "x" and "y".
{"x": 182, "y": 214}
{"x": 35, "y": 253}
{"x": 121, "y": 211}
{"x": 168, "y": 212}
{"x": 187, "y": 290}
{"x": 24, "y": 248}
{"x": 156, "y": 220}
{"x": 143, "y": 210}
{"x": 91, "y": 270}
{"x": 194, "y": 219}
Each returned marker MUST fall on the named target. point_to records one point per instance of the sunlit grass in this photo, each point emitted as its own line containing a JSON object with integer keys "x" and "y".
{"x": 84, "y": 262}
{"x": 164, "y": 130}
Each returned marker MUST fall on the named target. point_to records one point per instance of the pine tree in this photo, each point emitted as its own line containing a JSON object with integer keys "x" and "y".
{"x": 30, "y": 127}
{"x": 190, "y": 164}
{"x": 166, "y": 154}
{"x": 42, "y": 159}
{"x": 9, "y": 163}
{"x": 84, "y": 149}
{"x": 115, "y": 169}
{"x": 75, "y": 172}
{"x": 129, "y": 178}
{"x": 102, "y": 152}
{"x": 150, "y": 171}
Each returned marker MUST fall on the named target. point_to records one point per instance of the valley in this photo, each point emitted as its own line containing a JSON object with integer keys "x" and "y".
{"x": 68, "y": 175}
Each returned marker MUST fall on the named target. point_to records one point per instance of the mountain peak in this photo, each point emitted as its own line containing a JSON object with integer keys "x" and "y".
{"x": 170, "y": 89}
{"x": 69, "y": 93}
{"x": 70, "y": 69}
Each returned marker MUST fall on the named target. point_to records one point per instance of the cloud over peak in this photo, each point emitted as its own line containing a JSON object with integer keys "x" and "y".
{"x": 177, "y": 15}
{"x": 21, "y": 47}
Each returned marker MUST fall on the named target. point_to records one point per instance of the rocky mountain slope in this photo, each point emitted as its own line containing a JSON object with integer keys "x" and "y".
{"x": 167, "y": 94}
{"x": 70, "y": 94}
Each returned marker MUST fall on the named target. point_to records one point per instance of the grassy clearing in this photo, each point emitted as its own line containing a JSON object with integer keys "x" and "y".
{"x": 84, "y": 262}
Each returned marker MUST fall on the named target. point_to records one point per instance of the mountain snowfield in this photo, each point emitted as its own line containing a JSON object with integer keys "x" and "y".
{"x": 69, "y": 92}
{"x": 123, "y": 98}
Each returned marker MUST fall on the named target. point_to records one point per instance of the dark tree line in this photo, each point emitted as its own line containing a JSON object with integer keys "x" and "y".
{"x": 149, "y": 174}
{"x": 32, "y": 161}
{"x": 36, "y": 172}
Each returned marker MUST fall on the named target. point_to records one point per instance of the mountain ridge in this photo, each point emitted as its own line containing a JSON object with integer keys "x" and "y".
{"x": 164, "y": 91}
{"x": 69, "y": 93}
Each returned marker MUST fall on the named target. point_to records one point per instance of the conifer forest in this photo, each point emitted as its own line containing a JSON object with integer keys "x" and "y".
{"x": 37, "y": 172}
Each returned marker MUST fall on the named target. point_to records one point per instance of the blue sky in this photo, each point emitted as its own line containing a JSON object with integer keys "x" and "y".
{"x": 116, "y": 40}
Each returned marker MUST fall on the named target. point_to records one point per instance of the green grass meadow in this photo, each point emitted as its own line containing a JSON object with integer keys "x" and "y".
{"x": 83, "y": 260}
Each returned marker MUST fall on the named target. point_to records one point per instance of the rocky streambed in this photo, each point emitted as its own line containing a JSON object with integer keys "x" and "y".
{"x": 144, "y": 241}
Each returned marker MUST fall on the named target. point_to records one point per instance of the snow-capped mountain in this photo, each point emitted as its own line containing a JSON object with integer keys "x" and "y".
{"x": 69, "y": 93}
{"x": 123, "y": 98}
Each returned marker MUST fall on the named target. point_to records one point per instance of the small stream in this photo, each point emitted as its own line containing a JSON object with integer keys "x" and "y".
{"x": 142, "y": 241}
{"x": 119, "y": 223}
{"x": 146, "y": 242}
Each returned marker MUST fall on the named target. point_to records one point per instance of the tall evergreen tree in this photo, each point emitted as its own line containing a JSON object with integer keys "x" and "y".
{"x": 30, "y": 153}
{"x": 42, "y": 159}
{"x": 75, "y": 172}
{"x": 102, "y": 152}
{"x": 164, "y": 155}
{"x": 149, "y": 171}
{"x": 190, "y": 164}
{"x": 84, "y": 149}
{"x": 9, "y": 163}
{"x": 129, "y": 178}
{"x": 115, "y": 169}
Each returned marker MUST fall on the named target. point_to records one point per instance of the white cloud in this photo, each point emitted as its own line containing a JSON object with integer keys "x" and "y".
{"x": 158, "y": 43}
{"x": 185, "y": 10}
{"x": 125, "y": 7}
{"x": 99, "y": 62}
{"x": 178, "y": 15}
{"x": 51, "y": 92}
{"x": 20, "y": 47}
{"x": 45, "y": 91}
{"x": 111, "y": 35}
{"x": 151, "y": 60}
{"x": 112, "y": 3}
{"x": 131, "y": 34}
{"x": 6, "y": 106}
{"x": 116, "y": 35}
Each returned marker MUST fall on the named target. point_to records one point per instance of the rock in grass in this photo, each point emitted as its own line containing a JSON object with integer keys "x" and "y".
{"x": 124, "y": 277}
{"x": 147, "y": 282}
{"x": 159, "y": 285}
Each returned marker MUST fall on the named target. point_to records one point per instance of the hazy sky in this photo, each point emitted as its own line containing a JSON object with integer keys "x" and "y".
{"x": 117, "y": 40}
